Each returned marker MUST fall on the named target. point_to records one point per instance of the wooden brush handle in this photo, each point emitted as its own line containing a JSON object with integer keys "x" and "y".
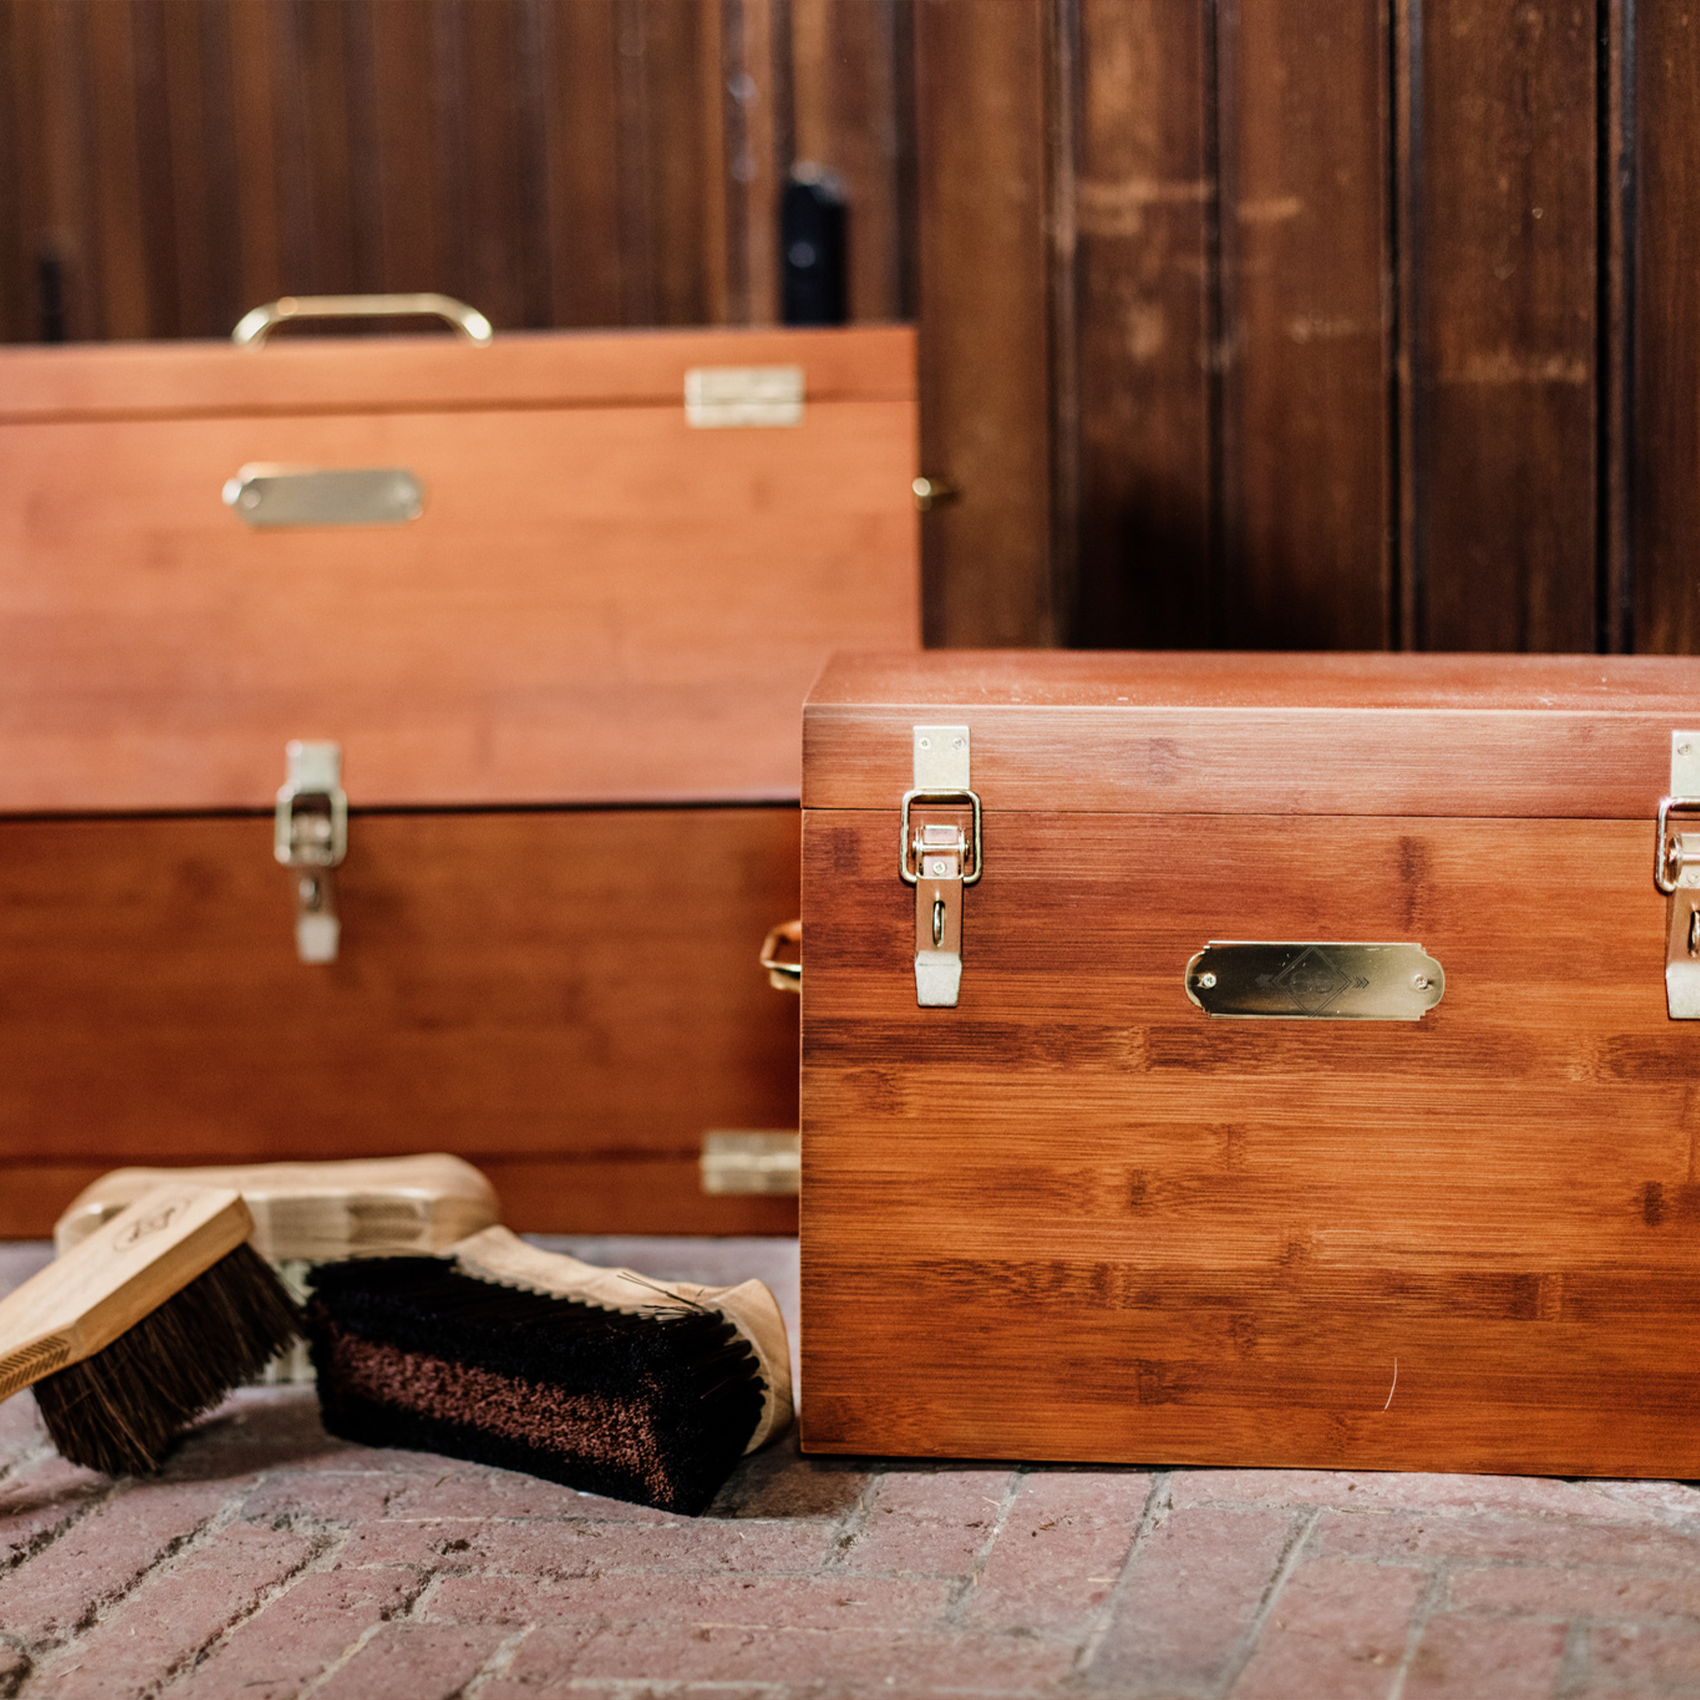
{"x": 319, "y": 1211}
{"x": 84, "y": 1300}
{"x": 499, "y": 1256}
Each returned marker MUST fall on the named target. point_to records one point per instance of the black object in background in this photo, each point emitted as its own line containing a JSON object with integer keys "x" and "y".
{"x": 813, "y": 258}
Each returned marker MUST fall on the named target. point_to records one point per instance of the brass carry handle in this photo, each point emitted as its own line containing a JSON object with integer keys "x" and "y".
{"x": 253, "y": 328}
{"x": 783, "y": 976}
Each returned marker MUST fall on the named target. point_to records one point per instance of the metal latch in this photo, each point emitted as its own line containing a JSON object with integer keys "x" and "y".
{"x": 783, "y": 974}
{"x": 752, "y": 1162}
{"x": 1676, "y": 872}
{"x": 940, "y": 858}
{"x": 717, "y": 397}
{"x": 310, "y": 836}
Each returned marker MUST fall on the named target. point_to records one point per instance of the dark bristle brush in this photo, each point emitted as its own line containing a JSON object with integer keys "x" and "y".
{"x": 142, "y": 1327}
{"x": 607, "y": 1381}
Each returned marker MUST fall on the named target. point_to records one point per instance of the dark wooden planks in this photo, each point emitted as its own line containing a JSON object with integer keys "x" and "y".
{"x": 520, "y": 988}
{"x": 1305, "y": 534}
{"x": 1665, "y": 489}
{"x": 558, "y": 162}
{"x": 984, "y": 267}
{"x": 1506, "y": 358}
{"x": 1141, "y": 281}
{"x": 849, "y": 65}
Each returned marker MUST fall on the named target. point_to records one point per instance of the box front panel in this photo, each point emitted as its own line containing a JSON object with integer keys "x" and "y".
{"x": 596, "y": 604}
{"x": 1075, "y": 1218}
{"x": 567, "y": 999}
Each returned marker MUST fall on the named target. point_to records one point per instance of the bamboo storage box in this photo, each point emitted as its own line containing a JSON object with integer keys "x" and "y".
{"x": 1293, "y": 1079}
{"x": 566, "y": 698}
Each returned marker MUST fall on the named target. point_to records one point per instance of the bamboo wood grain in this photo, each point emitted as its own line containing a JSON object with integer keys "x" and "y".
{"x": 82, "y": 1302}
{"x": 568, "y": 999}
{"x": 407, "y": 373}
{"x": 1074, "y": 1218}
{"x": 599, "y": 603}
{"x": 1538, "y": 736}
{"x": 316, "y": 1211}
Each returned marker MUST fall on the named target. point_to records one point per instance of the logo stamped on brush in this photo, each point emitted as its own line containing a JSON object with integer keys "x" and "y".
{"x": 144, "y": 1227}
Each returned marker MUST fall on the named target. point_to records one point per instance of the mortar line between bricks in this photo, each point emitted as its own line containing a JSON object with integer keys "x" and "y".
{"x": 197, "y": 1656}
{"x": 163, "y": 1561}
{"x": 1151, "y": 1517}
{"x": 349, "y": 1654}
{"x": 408, "y": 1613}
{"x": 51, "y": 1537}
{"x": 1437, "y": 1583}
{"x": 852, "y": 1522}
{"x": 324, "y": 1547}
{"x": 963, "y": 1592}
{"x": 1284, "y": 1567}
{"x": 494, "y": 1666}
{"x": 1605, "y": 1519}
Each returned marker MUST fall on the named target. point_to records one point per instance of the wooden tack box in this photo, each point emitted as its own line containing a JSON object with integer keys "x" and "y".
{"x": 1076, "y": 1215}
{"x": 567, "y": 698}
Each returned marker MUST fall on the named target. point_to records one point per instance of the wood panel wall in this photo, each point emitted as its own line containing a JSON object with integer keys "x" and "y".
{"x": 555, "y": 162}
{"x": 1273, "y": 325}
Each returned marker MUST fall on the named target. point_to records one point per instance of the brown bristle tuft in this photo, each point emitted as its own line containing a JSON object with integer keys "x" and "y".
{"x": 121, "y": 1410}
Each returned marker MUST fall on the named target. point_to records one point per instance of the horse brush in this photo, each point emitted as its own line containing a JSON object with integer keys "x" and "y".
{"x": 143, "y": 1326}
{"x": 503, "y": 1354}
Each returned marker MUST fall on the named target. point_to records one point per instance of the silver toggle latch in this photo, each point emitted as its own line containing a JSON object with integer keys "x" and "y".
{"x": 1676, "y": 872}
{"x": 310, "y": 837}
{"x": 941, "y": 853}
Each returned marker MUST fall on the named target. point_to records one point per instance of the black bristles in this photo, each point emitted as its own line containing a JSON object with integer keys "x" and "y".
{"x": 655, "y": 1407}
{"x": 121, "y": 1410}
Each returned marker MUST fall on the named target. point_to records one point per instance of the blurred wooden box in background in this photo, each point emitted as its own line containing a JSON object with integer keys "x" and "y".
{"x": 568, "y": 701}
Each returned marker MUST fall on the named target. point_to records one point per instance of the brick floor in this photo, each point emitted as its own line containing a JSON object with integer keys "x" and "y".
{"x": 268, "y": 1560}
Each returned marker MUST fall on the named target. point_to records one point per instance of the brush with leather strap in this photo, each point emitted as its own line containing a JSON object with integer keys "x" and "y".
{"x": 143, "y": 1326}
{"x": 599, "y": 1378}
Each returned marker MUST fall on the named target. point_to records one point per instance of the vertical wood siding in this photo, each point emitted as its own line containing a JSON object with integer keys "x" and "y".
{"x": 1273, "y": 325}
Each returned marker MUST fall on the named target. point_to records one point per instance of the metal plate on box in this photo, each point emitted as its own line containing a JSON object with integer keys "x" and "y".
{"x": 752, "y": 1162}
{"x": 264, "y": 496}
{"x": 1314, "y": 981}
{"x": 717, "y": 396}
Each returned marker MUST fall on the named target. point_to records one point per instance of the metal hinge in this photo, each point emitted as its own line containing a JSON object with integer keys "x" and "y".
{"x": 721, "y": 396}
{"x": 940, "y": 858}
{"x": 752, "y": 1162}
{"x": 1676, "y": 872}
{"x": 310, "y": 837}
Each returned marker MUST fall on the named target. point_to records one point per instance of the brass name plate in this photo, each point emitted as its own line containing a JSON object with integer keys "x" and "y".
{"x": 265, "y": 496}
{"x": 1314, "y": 982}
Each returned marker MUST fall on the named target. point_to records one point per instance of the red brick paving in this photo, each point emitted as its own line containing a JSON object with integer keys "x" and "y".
{"x": 269, "y": 1561}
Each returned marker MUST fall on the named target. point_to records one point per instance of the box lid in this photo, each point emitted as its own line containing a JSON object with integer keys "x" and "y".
{"x": 1324, "y": 734}
{"x": 295, "y": 374}
{"x": 585, "y": 596}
